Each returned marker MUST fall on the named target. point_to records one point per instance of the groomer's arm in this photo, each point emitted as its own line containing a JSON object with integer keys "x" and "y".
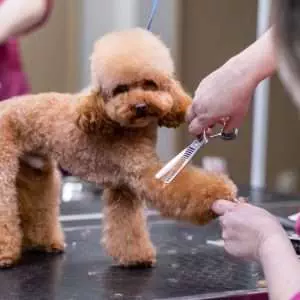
{"x": 227, "y": 92}
{"x": 253, "y": 233}
{"x": 259, "y": 59}
{"x": 17, "y": 16}
{"x": 281, "y": 268}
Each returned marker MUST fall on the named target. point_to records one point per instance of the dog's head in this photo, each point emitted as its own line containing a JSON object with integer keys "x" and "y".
{"x": 133, "y": 83}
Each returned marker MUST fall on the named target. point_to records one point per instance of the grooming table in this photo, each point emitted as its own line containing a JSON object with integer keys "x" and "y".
{"x": 190, "y": 265}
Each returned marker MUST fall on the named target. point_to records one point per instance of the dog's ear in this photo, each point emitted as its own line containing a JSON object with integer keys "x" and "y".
{"x": 90, "y": 112}
{"x": 181, "y": 102}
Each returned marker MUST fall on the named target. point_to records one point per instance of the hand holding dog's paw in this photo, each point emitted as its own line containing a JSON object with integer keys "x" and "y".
{"x": 190, "y": 196}
{"x": 202, "y": 189}
{"x": 248, "y": 230}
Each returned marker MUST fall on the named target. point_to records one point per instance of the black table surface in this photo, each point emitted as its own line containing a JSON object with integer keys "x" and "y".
{"x": 188, "y": 266}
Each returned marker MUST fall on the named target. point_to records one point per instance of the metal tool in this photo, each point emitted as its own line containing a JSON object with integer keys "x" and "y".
{"x": 176, "y": 165}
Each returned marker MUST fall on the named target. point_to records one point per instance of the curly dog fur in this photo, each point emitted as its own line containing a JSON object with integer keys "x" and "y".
{"x": 107, "y": 136}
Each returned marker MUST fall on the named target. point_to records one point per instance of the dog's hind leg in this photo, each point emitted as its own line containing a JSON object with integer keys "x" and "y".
{"x": 38, "y": 184}
{"x": 10, "y": 231}
{"x": 125, "y": 235}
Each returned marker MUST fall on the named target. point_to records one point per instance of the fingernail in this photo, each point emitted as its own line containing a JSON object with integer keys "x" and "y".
{"x": 215, "y": 206}
{"x": 222, "y": 206}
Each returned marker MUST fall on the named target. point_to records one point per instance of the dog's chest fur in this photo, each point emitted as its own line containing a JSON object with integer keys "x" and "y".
{"x": 47, "y": 128}
{"x": 102, "y": 158}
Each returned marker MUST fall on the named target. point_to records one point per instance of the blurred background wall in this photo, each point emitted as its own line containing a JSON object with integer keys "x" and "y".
{"x": 202, "y": 35}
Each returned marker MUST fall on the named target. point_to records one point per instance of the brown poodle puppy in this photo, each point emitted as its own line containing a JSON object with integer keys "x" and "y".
{"x": 107, "y": 137}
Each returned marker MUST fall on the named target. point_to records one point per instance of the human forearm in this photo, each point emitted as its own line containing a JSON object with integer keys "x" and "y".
{"x": 252, "y": 232}
{"x": 281, "y": 268}
{"x": 17, "y": 16}
{"x": 258, "y": 61}
{"x": 227, "y": 92}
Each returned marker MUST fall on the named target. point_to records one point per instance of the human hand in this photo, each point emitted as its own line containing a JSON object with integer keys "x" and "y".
{"x": 18, "y": 17}
{"x": 247, "y": 230}
{"x": 224, "y": 94}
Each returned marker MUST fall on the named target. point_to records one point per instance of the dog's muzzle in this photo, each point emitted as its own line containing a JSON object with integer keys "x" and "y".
{"x": 141, "y": 110}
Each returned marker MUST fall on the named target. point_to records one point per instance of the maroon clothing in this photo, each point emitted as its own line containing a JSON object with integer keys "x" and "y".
{"x": 296, "y": 297}
{"x": 297, "y": 229}
{"x": 13, "y": 80}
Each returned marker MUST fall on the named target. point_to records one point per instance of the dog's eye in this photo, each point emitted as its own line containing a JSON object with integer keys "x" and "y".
{"x": 120, "y": 89}
{"x": 150, "y": 85}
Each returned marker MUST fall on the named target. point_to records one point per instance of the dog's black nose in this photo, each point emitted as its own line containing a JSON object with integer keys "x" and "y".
{"x": 141, "y": 110}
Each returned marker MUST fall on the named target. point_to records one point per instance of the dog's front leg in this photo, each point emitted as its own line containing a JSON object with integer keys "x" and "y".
{"x": 189, "y": 197}
{"x": 125, "y": 234}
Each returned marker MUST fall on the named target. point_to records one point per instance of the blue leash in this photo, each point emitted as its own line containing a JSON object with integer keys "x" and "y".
{"x": 153, "y": 12}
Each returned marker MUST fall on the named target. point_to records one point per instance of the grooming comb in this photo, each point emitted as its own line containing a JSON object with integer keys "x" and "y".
{"x": 168, "y": 173}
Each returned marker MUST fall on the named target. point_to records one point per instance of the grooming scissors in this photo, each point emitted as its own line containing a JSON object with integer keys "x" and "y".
{"x": 168, "y": 173}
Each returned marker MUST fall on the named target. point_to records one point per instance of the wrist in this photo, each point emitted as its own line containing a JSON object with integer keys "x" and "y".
{"x": 277, "y": 245}
{"x": 258, "y": 61}
{"x": 245, "y": 68}
{"x": 281, "y": 266}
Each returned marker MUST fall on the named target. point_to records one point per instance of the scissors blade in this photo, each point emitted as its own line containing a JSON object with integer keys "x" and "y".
{"x": 175, "y": 166}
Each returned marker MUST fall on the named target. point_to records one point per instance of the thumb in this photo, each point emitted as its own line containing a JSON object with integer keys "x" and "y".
{"x": 197, "y": 126}
{"x": 220, "y": 207}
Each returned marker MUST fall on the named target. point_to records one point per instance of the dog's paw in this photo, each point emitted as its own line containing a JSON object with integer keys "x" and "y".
{"x": 55, "y": 248}
{"x": 7, "y": 262}
{"x": 133, "y": 256}
{"x": 145, "y": 258}
{"x": 140, "y": 264}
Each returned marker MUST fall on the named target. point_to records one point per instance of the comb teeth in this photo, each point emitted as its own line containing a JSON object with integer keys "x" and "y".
{"x": 188, "y": 152}
{"x": 192, "y": 149}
